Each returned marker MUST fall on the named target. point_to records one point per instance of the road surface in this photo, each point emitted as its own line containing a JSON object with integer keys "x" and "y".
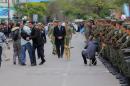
{"x": 57, "y": 72}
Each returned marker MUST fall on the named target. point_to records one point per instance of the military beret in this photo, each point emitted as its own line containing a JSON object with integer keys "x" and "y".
{"x": 128, "y": 26}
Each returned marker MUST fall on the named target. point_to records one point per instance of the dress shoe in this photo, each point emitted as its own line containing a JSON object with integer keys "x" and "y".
{"x": 42, "y": 62}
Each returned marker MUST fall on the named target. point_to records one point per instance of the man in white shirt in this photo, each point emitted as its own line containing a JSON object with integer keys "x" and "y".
{"x": 26, "y": 45}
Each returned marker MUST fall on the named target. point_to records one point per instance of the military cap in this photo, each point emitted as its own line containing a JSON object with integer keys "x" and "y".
{"x": 120, "y": 22}
{"x": 128, "y": 27}
{"x": 125, "y": 25}
{"x": 90, "y": 18}
{"x": 113, "y": 20}
{"x": 108, "y": 18}
{"x": 101, "y": 20}
{"x": 56, "y": 20}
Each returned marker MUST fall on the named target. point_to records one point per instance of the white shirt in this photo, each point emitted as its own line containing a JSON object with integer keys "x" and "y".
{"x": 28, "y": 31}
{"x": 123, "y": 17}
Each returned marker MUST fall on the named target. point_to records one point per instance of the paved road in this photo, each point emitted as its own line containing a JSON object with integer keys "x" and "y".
{"x": 57, "y": 72}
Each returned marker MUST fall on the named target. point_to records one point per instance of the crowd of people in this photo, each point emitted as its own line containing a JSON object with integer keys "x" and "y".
{"x": 6, "y": 28}
{"x": 31, "y": 37}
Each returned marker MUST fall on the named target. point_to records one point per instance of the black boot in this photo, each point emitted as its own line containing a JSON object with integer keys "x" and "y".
{"x": 94, "y": 61}
{"x": 0, "y": 64}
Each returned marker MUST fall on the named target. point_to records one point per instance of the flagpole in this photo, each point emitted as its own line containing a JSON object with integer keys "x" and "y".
{"x": 8, "y": 11}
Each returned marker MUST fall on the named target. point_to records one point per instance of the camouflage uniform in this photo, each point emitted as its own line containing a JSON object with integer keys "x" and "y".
{"x": 125, "y": 56}
{"x": 16, "y": 44}
{"x": 68, "y": 37}
{"x": 52, "y": 38}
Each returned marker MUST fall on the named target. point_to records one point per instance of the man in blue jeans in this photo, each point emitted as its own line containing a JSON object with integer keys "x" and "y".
{"x": 26, "y": 45}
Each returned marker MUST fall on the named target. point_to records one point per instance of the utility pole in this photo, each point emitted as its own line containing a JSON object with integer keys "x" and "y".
{"x": 8, "y": 11}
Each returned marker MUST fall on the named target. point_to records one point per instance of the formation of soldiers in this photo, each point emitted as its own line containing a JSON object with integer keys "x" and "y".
{"x": 113, "y": 37}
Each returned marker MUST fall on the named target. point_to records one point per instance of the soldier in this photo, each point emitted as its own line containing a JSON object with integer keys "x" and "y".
{"x": 124, "y": 60}
{"x": 87, "y": 30}
{"x": 52, "y": 38}
{"x": 16, "y": 43}
{"x": 68, "y": 37}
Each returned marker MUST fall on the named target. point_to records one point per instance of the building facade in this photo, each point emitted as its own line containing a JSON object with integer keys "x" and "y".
{"x": 7, "y": 9}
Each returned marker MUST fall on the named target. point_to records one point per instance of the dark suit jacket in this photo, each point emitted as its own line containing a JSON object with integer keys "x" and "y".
{"x": 59, "y": 32}
{"x": 38, "y": 37}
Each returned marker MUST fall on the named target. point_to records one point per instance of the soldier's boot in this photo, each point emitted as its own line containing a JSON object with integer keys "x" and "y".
{"x": 123, "y": 81}
{"x": 68, "y": 53}
{"x": 94, "y": 61}
{"x": 0, "y": 62}
{"x": 54, "y": 52}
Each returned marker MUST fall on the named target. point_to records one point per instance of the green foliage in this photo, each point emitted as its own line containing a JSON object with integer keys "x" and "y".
{"x": 121, "y": 2}
{"x": 104, "y": 13}
{"x": 72, "y": 8}
{"x": 96, "y": 8}
{"x": 31, "y": 8}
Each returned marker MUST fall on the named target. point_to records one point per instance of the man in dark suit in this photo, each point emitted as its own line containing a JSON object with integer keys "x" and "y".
{"x": 59, "y": 34}
{"x": 39, "y": 39}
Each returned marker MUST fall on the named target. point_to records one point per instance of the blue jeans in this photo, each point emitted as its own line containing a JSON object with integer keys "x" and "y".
{"x": 25, "y": 47}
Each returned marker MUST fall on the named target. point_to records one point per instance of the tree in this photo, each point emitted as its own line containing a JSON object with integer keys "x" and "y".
{"x": 121, "y": 2}
{"x": 81, "y": 8}
{"x": 29, "y": 9}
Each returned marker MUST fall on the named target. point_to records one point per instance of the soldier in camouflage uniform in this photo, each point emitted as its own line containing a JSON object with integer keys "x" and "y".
{"x": 16, "y": 43}
{"x": 68, "y": 37}
{"x": 117, "y": 43}
{"x": 52, "y": 38}
{"x": 87, "y": 29}
{"x": 124, "y": 60}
